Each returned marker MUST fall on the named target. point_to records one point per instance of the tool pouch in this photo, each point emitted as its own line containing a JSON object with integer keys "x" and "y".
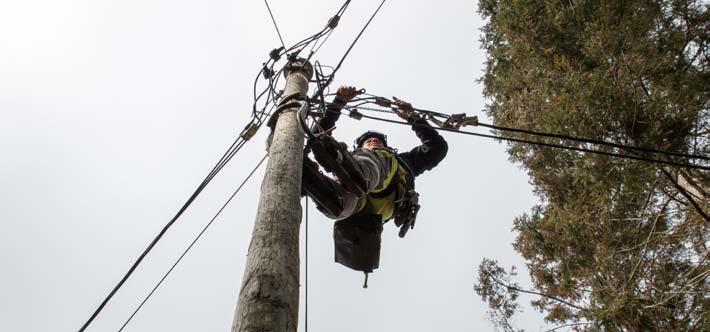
{"x": 358, "y": 241}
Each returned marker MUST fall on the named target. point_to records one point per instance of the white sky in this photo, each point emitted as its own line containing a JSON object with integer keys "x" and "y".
{"x": 114, "y": 111}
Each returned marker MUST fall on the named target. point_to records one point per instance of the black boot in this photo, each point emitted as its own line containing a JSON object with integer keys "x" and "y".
{"x": 335, "y": 158}
{"x": 320, "y": 188}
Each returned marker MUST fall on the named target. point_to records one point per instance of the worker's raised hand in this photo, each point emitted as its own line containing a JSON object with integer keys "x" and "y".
{"x": 346, "y": 93}
{"x": 403, "y": 109}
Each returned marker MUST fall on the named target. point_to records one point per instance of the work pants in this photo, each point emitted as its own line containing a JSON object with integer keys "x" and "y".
{"x": 374, "y": 168}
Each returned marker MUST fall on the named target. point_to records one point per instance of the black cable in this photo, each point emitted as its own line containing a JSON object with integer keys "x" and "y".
{"x": 307, "y": 40}
{"x": 342, "y": 9}
{"x": 340, "y": 12}
{"x": 236, "y": 146}
{"x": 275, "y": 25}
{"x": 358, "y": 37}
{"x": 560, "y": 136}
{"x": 327, "y": 36}
{"x": 549, "y": 145}
{"x": 220, "y": 164}
{"x": 594, "y": 141}
{"x": 227, "y": 159}
{"x": 340, "y": 63}
{"x": 204, "y": 229}
{"x": 304, "y": 43}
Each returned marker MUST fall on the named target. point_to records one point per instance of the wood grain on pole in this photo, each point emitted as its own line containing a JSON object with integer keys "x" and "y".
{"x": 268, "y": 299}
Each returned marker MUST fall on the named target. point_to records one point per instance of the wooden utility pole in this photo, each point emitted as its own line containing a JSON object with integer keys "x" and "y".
{"x": 268, "y": 299}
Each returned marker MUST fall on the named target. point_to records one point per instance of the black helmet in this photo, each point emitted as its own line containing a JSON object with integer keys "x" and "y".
{"x": 360, "y": 140}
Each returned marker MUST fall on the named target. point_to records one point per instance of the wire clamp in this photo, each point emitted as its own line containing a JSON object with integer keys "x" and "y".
{"x": 355, "y": 114}
{"x": 333, "y": 22}
{"x": 268, "y": 73}
{"x": 275, "y": 54}
{"x": 249, "y": 131}
{"x": 384, "y": 102}
{"x": 456, "y": 121}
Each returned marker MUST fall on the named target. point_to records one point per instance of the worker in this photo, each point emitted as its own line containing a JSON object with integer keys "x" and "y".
{"x": 375, "y": 182}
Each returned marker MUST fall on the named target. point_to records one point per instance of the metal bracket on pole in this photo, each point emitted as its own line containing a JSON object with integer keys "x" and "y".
{"x": 285, "y": 105}
{"x": 298, "y": 67}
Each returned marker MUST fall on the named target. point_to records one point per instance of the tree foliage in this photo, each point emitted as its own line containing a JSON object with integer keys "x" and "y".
{"x": 614, "y": 245}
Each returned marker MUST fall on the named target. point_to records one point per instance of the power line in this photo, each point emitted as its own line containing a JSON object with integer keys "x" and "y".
{"x": 342, "y": 59}
{"x": 594, "y": 141}
{"x": 340, "y": 63}
{"x": 369, "y": 100}
{"x": 233, "y": 149}
{"x": 275, "y": 55}
{"x": 275, "y": 25}
{"x": 192, "y": 244}
{"x": 267, "y": 71}
{"x": 618, "y": 155}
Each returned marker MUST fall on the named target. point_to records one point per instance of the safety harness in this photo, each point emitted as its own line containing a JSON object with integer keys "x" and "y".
{"x": 397, "y": 199}
{"x": 358, "y": 238}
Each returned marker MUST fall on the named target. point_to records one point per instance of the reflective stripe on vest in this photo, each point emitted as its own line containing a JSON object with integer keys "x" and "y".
{"x": 381, "y": 201}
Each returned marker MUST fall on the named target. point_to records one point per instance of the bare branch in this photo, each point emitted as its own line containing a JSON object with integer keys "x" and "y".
{"x": 645, "y": 246}
{"x": 518, "y": 289}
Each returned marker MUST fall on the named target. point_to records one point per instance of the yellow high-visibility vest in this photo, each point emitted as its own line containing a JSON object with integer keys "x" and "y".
{"x": 381, "y": 201}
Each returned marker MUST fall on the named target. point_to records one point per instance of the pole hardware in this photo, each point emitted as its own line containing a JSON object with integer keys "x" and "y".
{"x": 297, "y": 64}
{"x": 288, "y": 107}
{"x": 333, "y": 22}
{"x": 355, "y": 114}
{"x": 384, "y": 102}
{"x": 459, "y": 120}
{"x": 249, "y": 131}
{"x": 268, "y": 73}
{"x": 454, "y": 121}
{"x": 275, "y": 54}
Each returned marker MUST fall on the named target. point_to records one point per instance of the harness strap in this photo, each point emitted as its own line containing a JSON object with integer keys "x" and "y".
{"x": 387, "y": 191}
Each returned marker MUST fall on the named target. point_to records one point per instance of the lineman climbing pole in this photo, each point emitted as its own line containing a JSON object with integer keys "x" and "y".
{"x": 268, "y": 299}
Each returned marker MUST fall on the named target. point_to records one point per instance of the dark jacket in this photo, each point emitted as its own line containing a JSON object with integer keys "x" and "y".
{"x": 419, "y": 159}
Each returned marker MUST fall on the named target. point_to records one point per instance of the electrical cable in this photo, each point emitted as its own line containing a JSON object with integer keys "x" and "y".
{"x": 340, "y": 63}
{"x": 543, "y": 134}
{"x": 594, "y": 141}
{"x": 313, "y": 51}
{"x": 220, "y": 164}
{"x": 204, "y": 229}
{"x": 275, "y": 25}
{"x": 298, "y": 47}
{"x": 624, "y": 156}
{"x": 330, "y": 31}
{"x": 234, "y": 148}
{"x": 342, "y": 59}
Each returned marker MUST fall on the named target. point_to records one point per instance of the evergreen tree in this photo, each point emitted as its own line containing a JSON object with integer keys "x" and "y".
{"x": 614, "y": 244}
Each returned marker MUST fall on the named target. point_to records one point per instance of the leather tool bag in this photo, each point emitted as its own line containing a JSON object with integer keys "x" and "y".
{"x": 358, "y": 241}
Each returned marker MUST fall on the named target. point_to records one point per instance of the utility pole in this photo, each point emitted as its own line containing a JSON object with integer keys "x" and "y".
{"x": 268, "y": 299}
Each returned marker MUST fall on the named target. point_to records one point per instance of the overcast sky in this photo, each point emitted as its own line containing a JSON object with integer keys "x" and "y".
{"x": 114, "y": 111}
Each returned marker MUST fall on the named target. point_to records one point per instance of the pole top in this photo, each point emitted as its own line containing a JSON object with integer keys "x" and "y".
{"x": 299, "y": 65}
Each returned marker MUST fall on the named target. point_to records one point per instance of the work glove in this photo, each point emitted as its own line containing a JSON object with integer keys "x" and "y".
{"x": 346, "y": 93}
{"x": 404, "y": 109}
